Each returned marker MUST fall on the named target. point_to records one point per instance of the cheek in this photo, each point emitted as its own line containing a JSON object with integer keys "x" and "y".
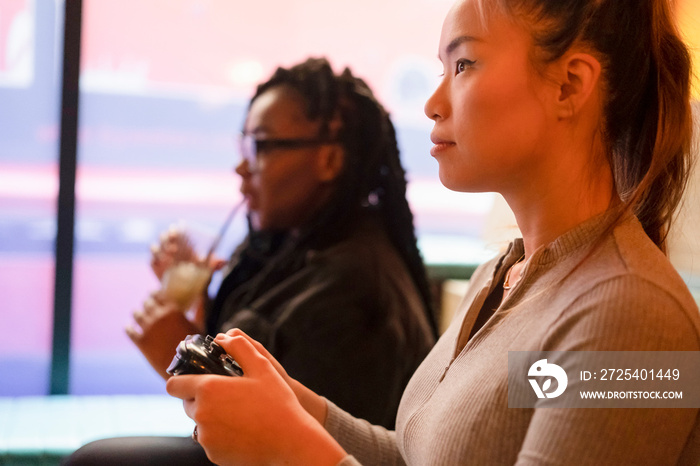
{"x": 283, "y": 198}
{"x": 480, "y": 130}
{"x": 498, "y": 129}
{"x": 506, "y": 120}
{"x": 271, "y": 199}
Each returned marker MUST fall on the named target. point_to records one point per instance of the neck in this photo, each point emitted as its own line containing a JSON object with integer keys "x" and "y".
{"x": 560, "y": 196}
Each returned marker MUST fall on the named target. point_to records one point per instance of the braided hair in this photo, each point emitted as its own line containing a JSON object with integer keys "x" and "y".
{"x": 373, "y": 178}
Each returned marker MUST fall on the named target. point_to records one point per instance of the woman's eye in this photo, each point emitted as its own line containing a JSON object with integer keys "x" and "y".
{"x": 463, "y": 64}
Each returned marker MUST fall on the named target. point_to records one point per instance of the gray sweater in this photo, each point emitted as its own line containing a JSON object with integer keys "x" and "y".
{"x": 624, "y": 296}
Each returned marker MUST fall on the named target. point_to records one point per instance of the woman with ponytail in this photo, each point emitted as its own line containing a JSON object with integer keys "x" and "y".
{"x": 578, "y": 113}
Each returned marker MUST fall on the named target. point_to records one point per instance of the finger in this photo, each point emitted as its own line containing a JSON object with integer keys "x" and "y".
{"x": 262, "y": 350}
{"x": 158, "y": 297}
{"x": 237, "y": 331}
{"x": 247, "y": 356}
{"x": 170, "y": 249}
{"x": 217, "y": 264}
{"x": 158, "y": 256}
{"x": 139, "y": 318}
{"x": 256, "y": 344}
{"x": 158, "y": 264}
{"x": 190, "y": 389}
{"x": 183, "y": 386}
{"x": 149, "y": 302}
{"x": 163, "y": 238}
{"x": 134, "y": 332}
{"x": 259, "y": 346}
{"x": 174, "y": 230}
{"x": 190, "y": 408}
{"x": 160, "y": 250}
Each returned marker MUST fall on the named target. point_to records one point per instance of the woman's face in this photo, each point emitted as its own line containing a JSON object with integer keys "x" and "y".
{"x": 490, "y": 122}
{"x": 283, "y": 188}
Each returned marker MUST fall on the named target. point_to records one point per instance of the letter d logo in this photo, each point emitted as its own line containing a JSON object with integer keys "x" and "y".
{"x": 542, "y": 369}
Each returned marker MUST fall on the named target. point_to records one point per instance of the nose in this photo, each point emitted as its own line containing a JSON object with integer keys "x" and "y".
{"x": 436, "y": 107}
{"x": 242, "y": 168}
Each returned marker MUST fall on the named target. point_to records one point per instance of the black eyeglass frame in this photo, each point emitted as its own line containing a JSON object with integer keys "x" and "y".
{"x": 249, "y": 147}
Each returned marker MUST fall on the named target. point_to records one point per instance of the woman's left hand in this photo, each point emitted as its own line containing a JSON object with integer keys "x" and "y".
{"x": 255, "y": 418}
{"x": 157, "y": 329}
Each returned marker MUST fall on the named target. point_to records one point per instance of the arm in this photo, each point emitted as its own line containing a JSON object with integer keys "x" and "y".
{"x": 642, "y": 319}
{"x": 256, "y": 418}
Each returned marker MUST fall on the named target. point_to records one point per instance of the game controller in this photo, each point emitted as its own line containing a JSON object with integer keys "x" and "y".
{"x": 202, "y": 355}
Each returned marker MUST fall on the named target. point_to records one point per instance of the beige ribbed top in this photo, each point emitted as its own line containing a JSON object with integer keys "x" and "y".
{"x": 625, "y": 296}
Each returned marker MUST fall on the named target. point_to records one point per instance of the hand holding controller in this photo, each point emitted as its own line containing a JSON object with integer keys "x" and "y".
{"x": 202, "y": 355}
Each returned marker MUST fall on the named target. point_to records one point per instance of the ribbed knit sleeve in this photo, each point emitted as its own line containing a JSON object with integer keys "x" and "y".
{"x": 369, "y": 445}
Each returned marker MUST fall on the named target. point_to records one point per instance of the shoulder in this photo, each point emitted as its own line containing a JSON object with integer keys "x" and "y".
{"x": 365, "y": 253}
{"x": 628, "y": 296}
{"x": 643, "y": 259}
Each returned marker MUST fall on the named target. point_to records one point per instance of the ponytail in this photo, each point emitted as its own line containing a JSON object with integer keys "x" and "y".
{"x": 647, "y": 124}
{"x": 669, "y": 135}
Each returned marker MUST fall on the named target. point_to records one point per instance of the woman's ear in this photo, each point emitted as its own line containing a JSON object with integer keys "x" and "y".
{"x": 330, "y": 162}
{"x": 578, "y": 82}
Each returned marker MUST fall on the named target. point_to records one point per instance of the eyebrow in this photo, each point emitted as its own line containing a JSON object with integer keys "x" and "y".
{"x": 457, "y": 41}
{"x": 257, "y": 130}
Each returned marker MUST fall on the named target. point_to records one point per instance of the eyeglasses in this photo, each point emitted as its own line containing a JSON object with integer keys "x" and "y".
{"x": 250, "y": 148}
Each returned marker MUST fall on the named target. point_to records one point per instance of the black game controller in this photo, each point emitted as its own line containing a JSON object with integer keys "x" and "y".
{"x": 202, "y": 355}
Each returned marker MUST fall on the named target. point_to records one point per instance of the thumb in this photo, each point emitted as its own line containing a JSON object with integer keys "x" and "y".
{"x": 217, "y": 264}
{"x": 259, "y": 347}
{"x": 182, "y": 386}
{"x": 244, "y": 353}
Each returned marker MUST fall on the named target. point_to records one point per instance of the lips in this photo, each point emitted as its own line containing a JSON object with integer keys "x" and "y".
{"x": 439, "y": 145}
{"x": 248, "y": 196}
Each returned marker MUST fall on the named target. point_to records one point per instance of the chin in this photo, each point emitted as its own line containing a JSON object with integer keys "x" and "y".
{"x": 463, "y": 185}
{"x": 450, "y": 182}
{"x": 256, "y": 222}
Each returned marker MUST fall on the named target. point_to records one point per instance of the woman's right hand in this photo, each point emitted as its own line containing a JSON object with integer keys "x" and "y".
{"x": 173, "y": 246}
{"x": 309, "y": 400}
{"x": 255, "y": 418}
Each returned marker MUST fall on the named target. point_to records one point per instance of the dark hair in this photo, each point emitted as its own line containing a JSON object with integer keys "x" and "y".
{"x": 647, "y": 125}
{"x": 372, "y": 177}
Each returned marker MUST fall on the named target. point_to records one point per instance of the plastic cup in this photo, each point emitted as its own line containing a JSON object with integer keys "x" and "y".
{"x": 184, "y": 282}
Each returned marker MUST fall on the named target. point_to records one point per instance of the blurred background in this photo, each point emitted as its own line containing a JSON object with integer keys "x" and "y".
{"x": 163, "y": 90}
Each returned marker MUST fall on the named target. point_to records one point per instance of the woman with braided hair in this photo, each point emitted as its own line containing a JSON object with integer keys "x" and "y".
{"x": 578, "y": 113}
{"x": 341, "y": 296}
{"x": 329, "y": 278}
